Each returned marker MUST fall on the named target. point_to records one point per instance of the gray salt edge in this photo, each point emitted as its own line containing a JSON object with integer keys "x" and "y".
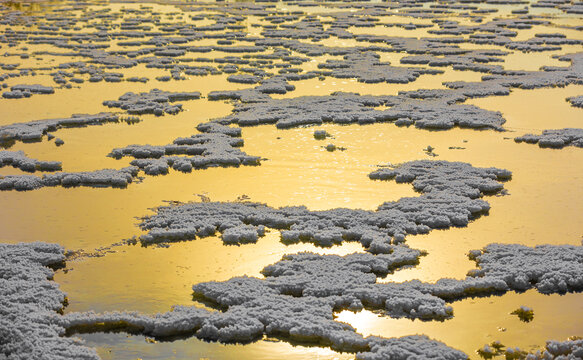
{"x": 253, "y": 307}
{"x": 446, "y": 200}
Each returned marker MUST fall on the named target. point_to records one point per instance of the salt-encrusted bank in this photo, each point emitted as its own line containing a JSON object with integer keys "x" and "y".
{"x": 19, "y": 160}
{"x": 86, "y": 47}
{"x": 554, "y": 138}
{"x": 425, "y": 109}
{"x": 451, "y": 194}
{"x": 29, "y": 306}
{"x": 98, "y": 178}
{"x": 299, "y": 294}
{"x": 35, "y": 130}
{"x": 219, "y": 146}
{"x": 155, "y": 102}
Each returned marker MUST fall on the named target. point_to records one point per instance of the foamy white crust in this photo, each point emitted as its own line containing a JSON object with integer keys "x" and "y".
{"x": 450, "y": 197}
{"x": 34, "y": 130}
{"x": 29, "y": 323}
{"x": 299, "y": 295}
{"x": 561, "y": 350}
{"x": 350, "y": 108}
{"x": 19, "y": 160}
{"x": 554, "y": 138}
{"x": 219, "y": 146}
{"x": 155, "y": 102}
{"x": 98, "y": 178}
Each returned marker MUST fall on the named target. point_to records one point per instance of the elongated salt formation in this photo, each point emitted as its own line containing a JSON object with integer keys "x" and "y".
{"x": 554, "y": 138}
{"x": 98, "y": 178}
{"x": 451, "y": 194}
{"x": 29, "y": 306}
{"x": 19, "y": 160}
{"x": 34, "y": 130}
{"x": 155, "y": 102}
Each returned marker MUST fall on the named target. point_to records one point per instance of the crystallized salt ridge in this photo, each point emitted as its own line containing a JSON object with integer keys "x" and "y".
{"x": 549, "y": 268}
{"x": 554, "y": 138}
{"x": 564, "y": 350}
{"x": 34, "y": 130}
{"x": 429, "y": 110}
{"x": 98, "y": 178}
{"x": 450, "y": 197}
{"x": 299, "y": 295}
{"x": 254, "y": 307}
{"x": 19, "y": 160}
{"x": 576, "y": 101}
{"x": 408, "y": 347}
{"x": 218, "y": 147}
{"x": 20, "y": 91}
{"x": 29, "y": 303}
{"x": 367, "y": 68}
{"x": 155, "y": 102}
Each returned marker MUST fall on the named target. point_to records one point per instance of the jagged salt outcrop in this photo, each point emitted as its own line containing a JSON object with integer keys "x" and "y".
{"x": 450, "y": 197}
{"x": 557, "y": 139}
{"x": 29, "y": 306}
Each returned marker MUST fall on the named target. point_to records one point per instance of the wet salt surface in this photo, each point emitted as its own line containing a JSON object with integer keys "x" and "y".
{"x": 298, "y": 170}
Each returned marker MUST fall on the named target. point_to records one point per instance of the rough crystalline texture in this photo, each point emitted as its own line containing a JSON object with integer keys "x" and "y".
{"x": 29, "y": 303}
{"x": 20, "y": 161}
{"x": 430, "y": 110}
{"x": 450, "y": 197}
{"x": 98, "y": 178}
{"x": 34, "y": 130}
{"x": 294, "y": 302}
{"x": 20, "y": 91}
{"x": 299, "y": 295}
{"x": 554, "y": 138}
{"x": 367, "y": 68}
{"x": 576, "y": 101}
{"x": 218, "y": 147}
{"x": 564, "y": 350}
{"x": 155, "y": 102}
{"x": 549, "y": 268}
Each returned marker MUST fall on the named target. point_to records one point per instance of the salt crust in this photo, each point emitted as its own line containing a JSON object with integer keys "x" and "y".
{"x": 29, "y": 302}
{"x": 98, "y": 178}
{"x": 299, "y": 295}
{"x": 155, "y": 102}
{"x": 425, "y": 109}
{"x": 34, "y": 130}
{"x": 576, "y": 101}
{"x": 19, "y": 160}
{"x": 216, "y": 146}
{"x": 554, "y": 138}
{"x": 451, "y": 194}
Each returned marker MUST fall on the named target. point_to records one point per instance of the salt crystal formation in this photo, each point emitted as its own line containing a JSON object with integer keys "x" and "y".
{"x": 98, "y": 178}
{"x": 155, "y": 102}
{"x": 254, "y": 307}
{"x": 29, "y": 303}
{"x": 437, "y": 110}
{"x": 549, "y": 268}
{"x": 22, "y": 91}
{"x": 554, "y": 138}
{"x": 367, "y": 68}
{"x": 300, "y": 293}
{"x": 321, "y": 134}
{"x": 298, "y": 296}
{"x": 217, "y": 147}
{"x": 451, "y": 194}
{"x": 34, "y": 130}
{"x": 567, "y": 350}
{"x": 19, "y": 160}
{"x": 576, "y": 101}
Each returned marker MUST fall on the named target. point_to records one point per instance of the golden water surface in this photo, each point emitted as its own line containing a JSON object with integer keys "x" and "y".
{"x": 544, "y": 202}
